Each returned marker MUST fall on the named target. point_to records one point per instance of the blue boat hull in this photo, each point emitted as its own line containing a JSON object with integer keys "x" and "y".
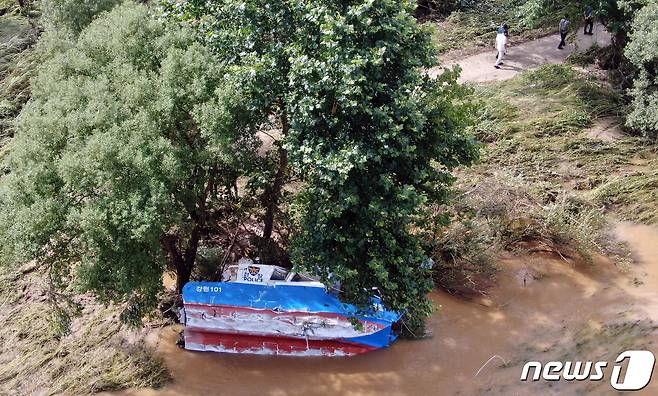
{"x": 280, "y": 319}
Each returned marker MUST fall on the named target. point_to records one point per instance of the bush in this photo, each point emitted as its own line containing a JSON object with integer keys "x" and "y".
{"x": 124, "y": 134}
{"x": 73, "y": 15}
{"x": 642, "y": 51}
{"x": 530, "y": 13}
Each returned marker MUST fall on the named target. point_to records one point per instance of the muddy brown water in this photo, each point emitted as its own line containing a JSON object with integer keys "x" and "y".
{"x": 543, "y": 308}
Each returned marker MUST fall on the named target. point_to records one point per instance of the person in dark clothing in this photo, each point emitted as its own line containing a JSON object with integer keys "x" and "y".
{"x": 589, "y": 19}
{"x": 564, "y": 29}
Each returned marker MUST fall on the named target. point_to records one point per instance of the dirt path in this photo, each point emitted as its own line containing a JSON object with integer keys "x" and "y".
{"x": 529, "y": 55}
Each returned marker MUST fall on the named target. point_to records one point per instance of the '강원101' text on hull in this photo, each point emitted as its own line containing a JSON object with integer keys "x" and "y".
{"x": 266, "y": 310}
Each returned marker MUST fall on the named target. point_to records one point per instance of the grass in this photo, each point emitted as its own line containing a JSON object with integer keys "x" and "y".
{"x": 633, "y": 195}
{"x": 17, "y": 65}
{"x": 535, "y": 123}
{"x": 535, "y": 126}
{"x": 97, "y": 355}
{"x": 543, "y": 182}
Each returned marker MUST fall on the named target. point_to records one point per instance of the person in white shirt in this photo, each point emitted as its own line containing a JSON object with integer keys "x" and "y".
{"x": 501, "y": 44}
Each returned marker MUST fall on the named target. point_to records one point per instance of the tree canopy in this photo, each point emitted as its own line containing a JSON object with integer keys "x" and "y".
{"x": 140, "y": 128}
{"x": 376, "y": 139}
{"x": 74, "y": 15}
{"x": 132, "y": 142}
{"x": 642, "y": 51}
{"x": 371, "y": 135}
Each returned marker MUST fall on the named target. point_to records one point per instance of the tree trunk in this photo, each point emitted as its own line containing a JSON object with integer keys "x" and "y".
{"x": 183, "y": 274}
{"x": 188, "y": 261}
{"x": 182, "y": 264}
{"x": 272, "y": 195}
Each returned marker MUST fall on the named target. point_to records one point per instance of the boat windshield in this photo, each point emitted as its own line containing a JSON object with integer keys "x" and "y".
{"x": 250, "y": 272}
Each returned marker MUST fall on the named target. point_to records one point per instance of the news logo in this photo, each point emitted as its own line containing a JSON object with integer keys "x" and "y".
{"x": 639, "y": 370}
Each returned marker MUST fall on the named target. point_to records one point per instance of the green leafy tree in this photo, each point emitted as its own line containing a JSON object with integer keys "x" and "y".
{"x": 642, "y": 51}
{"x": 617, "y": 16}
{"x": 375, "y": 139}
{"x": 372, "y": 137}
{"x": 126, "y": 157}
{"x": 633, "y": 56}
{"x": 254, "y": 38}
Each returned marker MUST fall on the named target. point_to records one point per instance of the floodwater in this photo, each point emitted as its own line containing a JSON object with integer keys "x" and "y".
{"x": 543, "y": 308}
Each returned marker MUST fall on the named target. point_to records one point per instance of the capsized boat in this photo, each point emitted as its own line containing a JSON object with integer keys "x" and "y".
{"x": 265, "y": 309}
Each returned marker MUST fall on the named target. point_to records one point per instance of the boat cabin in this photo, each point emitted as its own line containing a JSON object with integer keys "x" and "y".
{"x": 249, "y": 272}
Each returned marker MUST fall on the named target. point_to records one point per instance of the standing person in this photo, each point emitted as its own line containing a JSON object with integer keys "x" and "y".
{"x": 564, "y": 29}
{"x": 501, "y": 44}
{"x": 589, "y": 19}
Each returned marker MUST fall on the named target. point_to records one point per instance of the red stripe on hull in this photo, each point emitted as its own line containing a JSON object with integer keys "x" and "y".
{"x": 243, "y": 343}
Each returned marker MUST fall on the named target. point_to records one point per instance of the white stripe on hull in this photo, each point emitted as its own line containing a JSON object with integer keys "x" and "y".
{"x": 267, "y": 322}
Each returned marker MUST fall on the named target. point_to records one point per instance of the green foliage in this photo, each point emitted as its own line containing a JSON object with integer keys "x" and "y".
{"x": 375, "y": 141}
{"x": 254, "y": 41}
{"x": 531, "y": 12}
{"x": 131, "y": 142}
{"x": 617, "y": 17}
{"x": 372, "y": 138}
{"x": 73, "y": 15}
{"x": 642, "y": 51}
